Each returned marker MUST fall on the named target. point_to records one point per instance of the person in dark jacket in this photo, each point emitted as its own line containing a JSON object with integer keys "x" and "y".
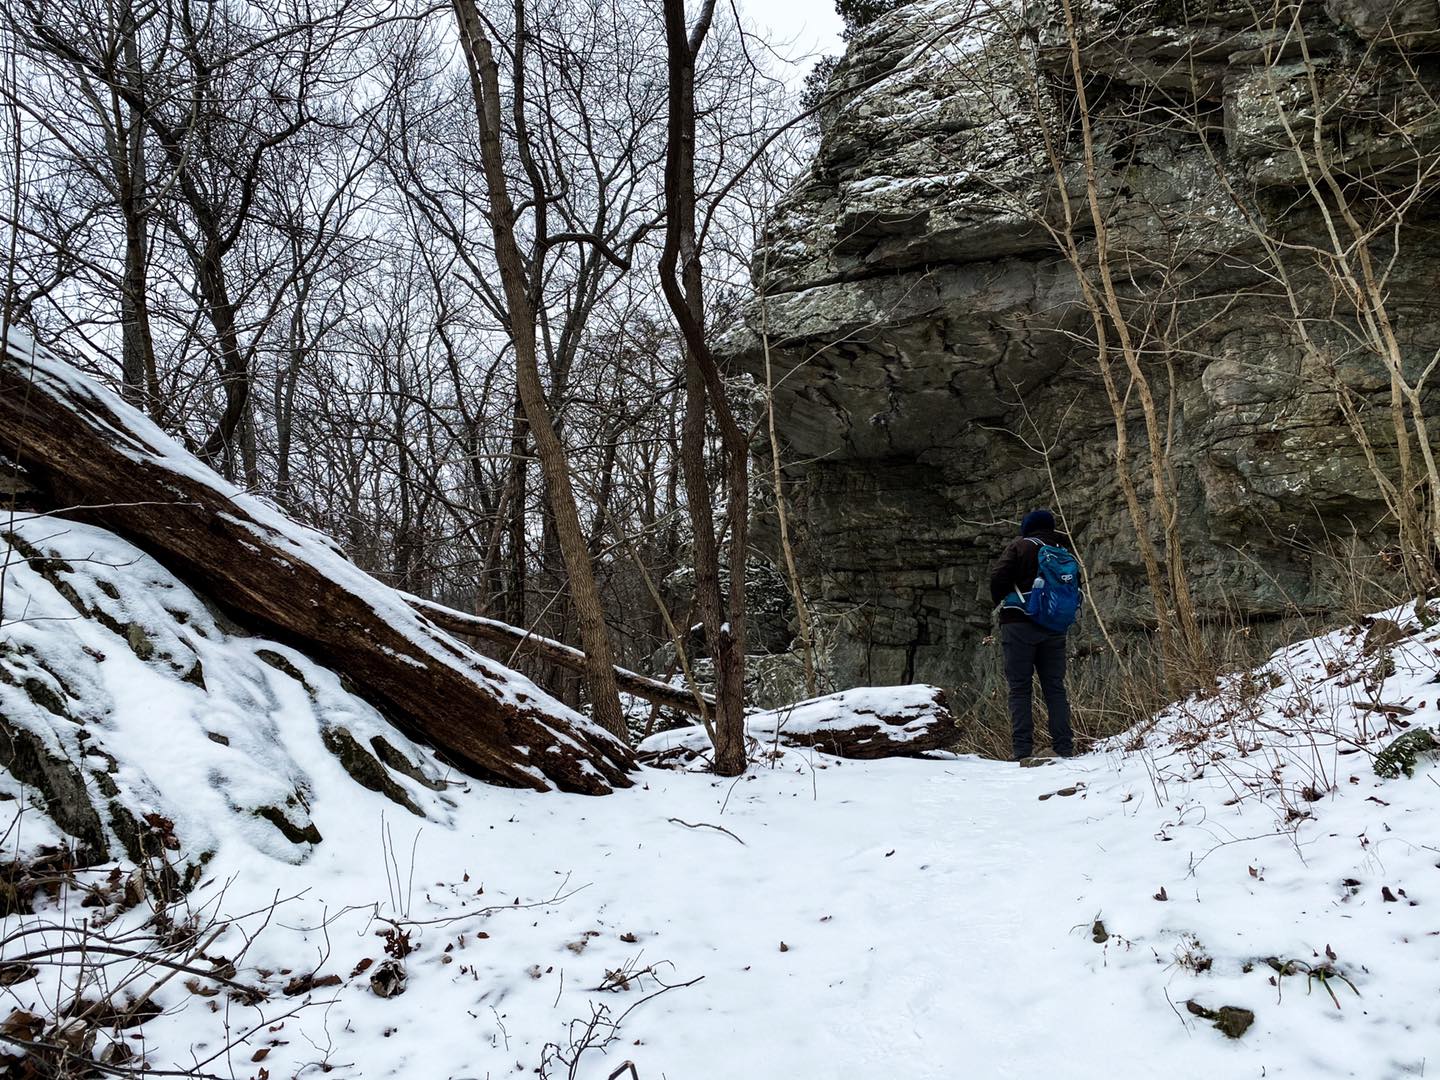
{"x": 1030, "y": 649}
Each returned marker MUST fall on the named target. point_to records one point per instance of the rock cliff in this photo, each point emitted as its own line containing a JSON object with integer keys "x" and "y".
{"x": 933, "y": 358}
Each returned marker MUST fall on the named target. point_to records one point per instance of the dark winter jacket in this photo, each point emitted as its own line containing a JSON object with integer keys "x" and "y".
{"x": 1016, "y": 568}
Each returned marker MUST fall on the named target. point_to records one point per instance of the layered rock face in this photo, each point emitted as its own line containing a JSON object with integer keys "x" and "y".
{"x": 934, "y": 358}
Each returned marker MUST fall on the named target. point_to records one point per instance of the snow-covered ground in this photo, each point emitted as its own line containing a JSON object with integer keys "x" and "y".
{"x": 901, "y": 918}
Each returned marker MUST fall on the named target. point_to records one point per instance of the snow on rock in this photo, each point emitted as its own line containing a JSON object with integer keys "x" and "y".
{"x": 139, "y": 439}
{"x": 138, "y": 716}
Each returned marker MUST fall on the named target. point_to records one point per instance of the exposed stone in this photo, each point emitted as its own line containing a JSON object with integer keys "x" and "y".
{"x": 195, "y": 676}
{"x": 938, "y": 370}
{"x": 59, "y": 707}
{"x": 769, "y": 609}
{"x": 279, "y": 663}
{"x": 1230, "y": 1020}
{"x": 303, "y": 833}
{"x": 60, "y": 784}
{"x": 139, "y": 642}
{"x": 365, "y": 768}
{"x": 392, "y": 758}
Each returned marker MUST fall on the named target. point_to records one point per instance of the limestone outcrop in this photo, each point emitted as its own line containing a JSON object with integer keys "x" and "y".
{"x": 934, "y": 361}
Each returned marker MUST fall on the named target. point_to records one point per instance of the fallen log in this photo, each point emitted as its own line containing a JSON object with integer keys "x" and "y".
{"x": 95, "y": 457}
{"x": 867, "y": 722}
{"x": 566, "y": 656}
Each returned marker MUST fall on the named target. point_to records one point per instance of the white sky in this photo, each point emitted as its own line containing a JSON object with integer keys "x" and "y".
{"x": 802, "y": 30}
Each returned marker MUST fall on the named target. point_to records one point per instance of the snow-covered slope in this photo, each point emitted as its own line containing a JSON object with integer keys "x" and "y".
{"x": 818, "y": 918}
{"x": 123, "y": 696}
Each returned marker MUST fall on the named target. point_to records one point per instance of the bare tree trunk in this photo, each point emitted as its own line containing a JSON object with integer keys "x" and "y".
{"x": 584, "y": 593}
{"x": 782, "y": 514}
{"x": 1181, "y": 605}
{"x": 680, "y": 278}
{"x": 137, "y": 346}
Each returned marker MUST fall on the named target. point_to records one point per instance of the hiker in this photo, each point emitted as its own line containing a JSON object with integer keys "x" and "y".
{"x": 1036, "y": 585}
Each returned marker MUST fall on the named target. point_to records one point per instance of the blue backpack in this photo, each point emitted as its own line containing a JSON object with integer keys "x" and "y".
{"x": 1053, "y": 601}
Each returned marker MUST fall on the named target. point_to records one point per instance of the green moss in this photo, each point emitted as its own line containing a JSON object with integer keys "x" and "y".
{"x": 365, "y": 768}
{"x": 139, "y": 641}
{"x": 1403, "y": 752}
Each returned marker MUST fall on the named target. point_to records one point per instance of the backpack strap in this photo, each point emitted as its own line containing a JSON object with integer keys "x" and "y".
{"x": 1023, "y": 596}
{"x": 1038, "y": 545}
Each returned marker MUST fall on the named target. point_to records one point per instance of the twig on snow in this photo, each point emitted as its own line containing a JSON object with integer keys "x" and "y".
{"x": 707, "y": 825}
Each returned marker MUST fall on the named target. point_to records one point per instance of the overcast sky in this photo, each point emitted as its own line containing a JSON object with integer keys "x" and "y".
{"x": 802, "y": 30}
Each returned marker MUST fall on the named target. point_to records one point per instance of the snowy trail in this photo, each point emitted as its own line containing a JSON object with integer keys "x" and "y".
{"x": 936, "y": 918}
{"x": 965, "y": 952}
{"x": 946, "y": 914}
{"x": 934, "y": 914}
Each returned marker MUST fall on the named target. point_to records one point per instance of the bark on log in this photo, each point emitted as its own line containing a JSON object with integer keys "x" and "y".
{"x": 94, "y": 454}
{"x": 566, "y": 656}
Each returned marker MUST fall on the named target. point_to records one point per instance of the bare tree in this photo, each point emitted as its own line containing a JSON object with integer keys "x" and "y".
{"x": 723, "y": 617}
{"x": 521, "y": 290}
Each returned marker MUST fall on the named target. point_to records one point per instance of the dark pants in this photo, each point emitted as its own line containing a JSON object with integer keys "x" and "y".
{"x": 1030, "y": 651}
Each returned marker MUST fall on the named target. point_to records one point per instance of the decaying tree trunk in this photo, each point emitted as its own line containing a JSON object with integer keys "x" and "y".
{"x": 97, "y": 457}
{"x": 558, "y": 653}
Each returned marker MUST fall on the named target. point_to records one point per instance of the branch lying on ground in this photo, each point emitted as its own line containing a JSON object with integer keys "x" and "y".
{"x": 707, "y": 825}
{"x": 567, "y": 656}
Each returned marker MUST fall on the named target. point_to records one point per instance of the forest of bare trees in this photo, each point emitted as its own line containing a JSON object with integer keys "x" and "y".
{"x": 447, "y": 283}
{"x": 399, "y": 270}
